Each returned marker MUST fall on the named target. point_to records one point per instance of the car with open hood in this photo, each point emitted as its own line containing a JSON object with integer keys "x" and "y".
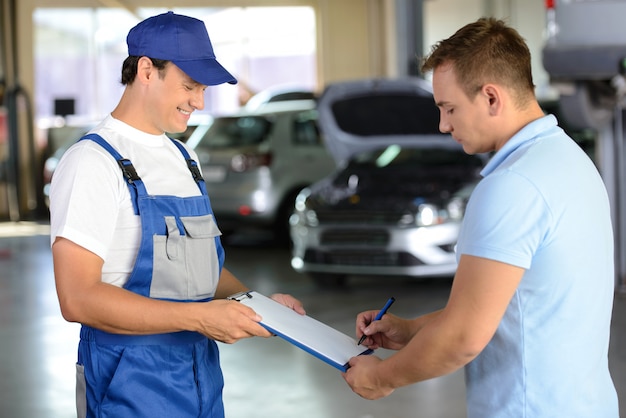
{"x": 395, "y": 203}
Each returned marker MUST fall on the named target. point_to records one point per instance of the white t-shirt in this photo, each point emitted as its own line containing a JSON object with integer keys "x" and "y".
{"x": 90, "y": 202}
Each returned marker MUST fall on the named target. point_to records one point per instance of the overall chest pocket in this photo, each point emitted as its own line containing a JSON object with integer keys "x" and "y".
{"x": 185, "y": 263}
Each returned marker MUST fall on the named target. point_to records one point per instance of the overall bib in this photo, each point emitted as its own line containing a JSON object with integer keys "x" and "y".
{"x": 180, "y": 258}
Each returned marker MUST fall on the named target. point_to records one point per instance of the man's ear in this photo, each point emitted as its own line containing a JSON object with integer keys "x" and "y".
{"x": 145, "y": 69}
{"x": 493, "y": 96}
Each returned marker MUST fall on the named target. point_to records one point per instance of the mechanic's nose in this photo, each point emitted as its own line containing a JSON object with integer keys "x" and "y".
{"x": 197, "y": 100}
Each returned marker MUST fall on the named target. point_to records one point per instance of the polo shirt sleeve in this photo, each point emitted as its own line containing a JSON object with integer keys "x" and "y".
{"x": 506, "y": 220}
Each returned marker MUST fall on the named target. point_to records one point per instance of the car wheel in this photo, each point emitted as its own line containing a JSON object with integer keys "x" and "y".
{"x": 329, "y": 280}
{"x": 281, "y": 225}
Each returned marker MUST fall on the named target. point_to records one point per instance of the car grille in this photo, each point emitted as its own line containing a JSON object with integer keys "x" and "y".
{"x": 356, "y": 217}
{"x": 361, "y": 258}
{"x": 377, "y": 237}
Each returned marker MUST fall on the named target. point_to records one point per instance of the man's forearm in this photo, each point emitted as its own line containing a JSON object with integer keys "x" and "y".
{"x": 435, "y": 350}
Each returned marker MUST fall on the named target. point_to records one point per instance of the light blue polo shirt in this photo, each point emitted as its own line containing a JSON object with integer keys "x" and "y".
{"x": 543, "y": 206}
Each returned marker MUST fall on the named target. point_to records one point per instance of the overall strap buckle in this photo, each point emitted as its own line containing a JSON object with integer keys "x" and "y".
{"x": 128, "y": 170}
{"x": 195, "y": 171}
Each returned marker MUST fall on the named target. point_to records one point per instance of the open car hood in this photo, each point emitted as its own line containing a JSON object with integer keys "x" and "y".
{"x": 361, "y": 115}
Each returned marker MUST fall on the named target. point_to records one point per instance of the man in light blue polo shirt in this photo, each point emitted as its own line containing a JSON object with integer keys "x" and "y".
{"x": 542, "y": 207}
{"x": 530, "y": 307}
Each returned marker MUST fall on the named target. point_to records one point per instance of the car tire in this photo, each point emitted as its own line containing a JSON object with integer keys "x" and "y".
{"x": 329, "y": 280}
{"x": 281, "y": 224}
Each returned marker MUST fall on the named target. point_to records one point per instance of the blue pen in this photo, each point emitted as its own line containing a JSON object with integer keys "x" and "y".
{"x": 379, "y": 315}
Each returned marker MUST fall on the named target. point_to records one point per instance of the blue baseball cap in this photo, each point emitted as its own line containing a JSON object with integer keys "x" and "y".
{"x": 182, "y": 40}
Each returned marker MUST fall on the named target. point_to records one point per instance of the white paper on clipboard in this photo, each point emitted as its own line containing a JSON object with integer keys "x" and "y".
{"x": 315, "y": 337}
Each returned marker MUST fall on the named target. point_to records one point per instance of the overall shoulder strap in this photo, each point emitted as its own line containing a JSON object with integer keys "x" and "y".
{"x": 133, "y": 181}
{"x": 192, "y": 165}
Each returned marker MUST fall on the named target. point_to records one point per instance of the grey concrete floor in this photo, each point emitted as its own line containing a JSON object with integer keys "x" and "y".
{"x": 264, "y": 377}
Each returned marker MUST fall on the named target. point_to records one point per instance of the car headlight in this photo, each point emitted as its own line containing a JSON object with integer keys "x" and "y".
{"x": 302, "y": 214}
{"x": 408, "y": 219}
{"x": 456, "y": 209}
{"x": 300, "y": 203}
{"x": 427, "y": 215}
{"x": 310, "y": 218}
{"x": 305, "y": 217}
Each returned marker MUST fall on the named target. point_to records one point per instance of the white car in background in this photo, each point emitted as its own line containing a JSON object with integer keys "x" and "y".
{"x": 255, "y": 162}
{"x": 395, "y": 205}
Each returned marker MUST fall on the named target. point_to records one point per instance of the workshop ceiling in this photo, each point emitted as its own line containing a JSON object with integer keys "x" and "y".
{"x": 132, "y": 5}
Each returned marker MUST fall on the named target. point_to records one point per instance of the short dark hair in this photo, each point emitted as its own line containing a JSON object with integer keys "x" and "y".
{"x": 486, "y": 51}
{"x": 129, "y": 68}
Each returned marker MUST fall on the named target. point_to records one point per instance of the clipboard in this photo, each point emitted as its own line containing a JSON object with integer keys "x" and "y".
{"x": 303, "y": 331}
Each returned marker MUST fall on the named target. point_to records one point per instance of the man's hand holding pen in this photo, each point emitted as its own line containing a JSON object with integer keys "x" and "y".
{"x": 375, "y": 329}
{"x": 381, "y": 329}
{"x": 378, "y": 316}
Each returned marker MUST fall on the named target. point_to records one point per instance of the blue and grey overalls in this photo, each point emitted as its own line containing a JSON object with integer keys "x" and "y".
{"x": 180, "y": 258}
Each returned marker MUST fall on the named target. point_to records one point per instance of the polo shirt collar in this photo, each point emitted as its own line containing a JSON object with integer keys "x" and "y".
{"x": 528, "y": 133}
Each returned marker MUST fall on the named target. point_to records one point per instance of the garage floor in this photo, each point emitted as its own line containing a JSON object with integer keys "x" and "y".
{"x": 264, "y": 377}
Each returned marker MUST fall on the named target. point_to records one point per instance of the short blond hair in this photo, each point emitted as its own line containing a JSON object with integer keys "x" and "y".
{"x": 486, "y": 51}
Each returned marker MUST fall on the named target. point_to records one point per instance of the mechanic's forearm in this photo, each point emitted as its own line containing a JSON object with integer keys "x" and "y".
{"x": 154, "y": 316}
{"x": 120, "y": 311}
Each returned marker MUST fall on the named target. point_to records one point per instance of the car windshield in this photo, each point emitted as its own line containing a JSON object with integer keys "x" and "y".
{"x": 388, "y": 114}
{"x": 236, "y": 131}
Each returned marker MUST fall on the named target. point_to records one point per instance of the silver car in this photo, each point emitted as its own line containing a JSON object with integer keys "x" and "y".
{"x": 395, "y": 205}
{"x": 255, "y": 163}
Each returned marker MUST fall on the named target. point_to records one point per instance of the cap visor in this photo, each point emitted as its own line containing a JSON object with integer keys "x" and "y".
{"x": 206, "y": 71}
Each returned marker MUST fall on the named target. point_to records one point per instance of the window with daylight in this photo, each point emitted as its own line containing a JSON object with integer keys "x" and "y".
{"x": 79, "y": 54}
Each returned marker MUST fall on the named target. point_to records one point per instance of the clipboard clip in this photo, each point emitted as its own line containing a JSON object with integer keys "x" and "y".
{"x": 240, "y": 296}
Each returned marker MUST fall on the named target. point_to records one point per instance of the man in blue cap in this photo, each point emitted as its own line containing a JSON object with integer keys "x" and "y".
{"x": 137, "y": 255}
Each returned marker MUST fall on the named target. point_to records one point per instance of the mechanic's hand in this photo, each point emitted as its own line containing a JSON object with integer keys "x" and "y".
{"x": 228, "y": 321}
{"x": 362, "y": 378}
{"x": 289, "y": 301}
